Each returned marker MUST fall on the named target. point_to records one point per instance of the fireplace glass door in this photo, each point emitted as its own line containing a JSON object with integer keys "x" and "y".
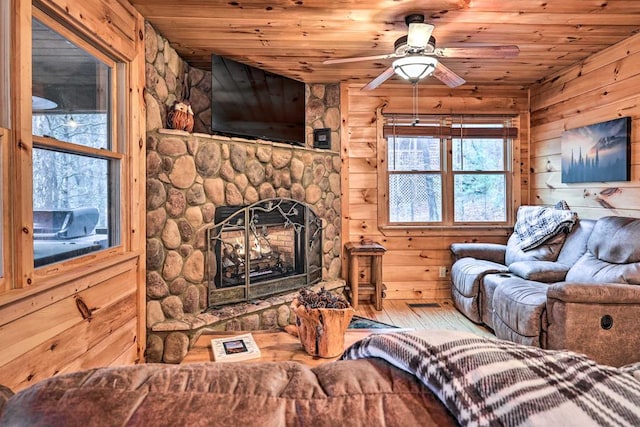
{"x": 271, "y": 254}
{"x": 263, "y": 249}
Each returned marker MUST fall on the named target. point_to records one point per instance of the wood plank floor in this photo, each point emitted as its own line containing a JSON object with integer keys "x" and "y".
{"x": 421, "y": 314}
{"x": 416, "y": 314}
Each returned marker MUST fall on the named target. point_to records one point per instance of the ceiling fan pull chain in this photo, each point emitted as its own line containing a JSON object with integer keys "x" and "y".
{"x": 416, "y": 120}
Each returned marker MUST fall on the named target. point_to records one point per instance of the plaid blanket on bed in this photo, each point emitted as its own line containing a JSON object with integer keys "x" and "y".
{"x": 537, "y": 224}
{"x": 485, "y": 381}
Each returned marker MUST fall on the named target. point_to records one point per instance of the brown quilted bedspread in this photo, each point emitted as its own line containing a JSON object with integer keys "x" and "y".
{"x": 355, "y": 392}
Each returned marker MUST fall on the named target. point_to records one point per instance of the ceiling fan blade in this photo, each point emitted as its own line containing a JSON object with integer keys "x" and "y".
{"x": 386, "y": 75}
{"x": 418, "y": 35}
{"x": 360, "y": 58}
{"x": 446, "y": 76}
{"x": 487, "y": 52}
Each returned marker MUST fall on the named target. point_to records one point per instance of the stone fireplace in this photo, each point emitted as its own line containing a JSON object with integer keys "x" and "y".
{"x": 267, "y": 248}
{"x": 191, "y": 178}
{"x": 195, "y": 181}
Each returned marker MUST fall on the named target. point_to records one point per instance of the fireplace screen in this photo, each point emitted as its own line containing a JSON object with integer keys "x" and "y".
{"x": 263, "y": 249}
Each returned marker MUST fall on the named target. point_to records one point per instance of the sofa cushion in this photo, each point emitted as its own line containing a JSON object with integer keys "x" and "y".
{"x": 547, "y": 252}
{"x": 540, "y": 271}
{"x": 611, "y": 237}
{"x": 590, "y": 269}
{"x": 489, "y": 286}
{"x": 576, "y": 242}
{"x": 611, "y": 257}
{"x": 520, "y": 305}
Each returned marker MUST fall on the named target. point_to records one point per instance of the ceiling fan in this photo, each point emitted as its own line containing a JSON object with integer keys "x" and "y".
{"x": 418, "y": 56}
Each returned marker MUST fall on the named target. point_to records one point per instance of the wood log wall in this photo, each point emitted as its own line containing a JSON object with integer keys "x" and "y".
{"x": 90, "y": 311}
{"x": 88, "y": 321}
{"x": 601, "y": 88}
{"x": 412, "y": 262}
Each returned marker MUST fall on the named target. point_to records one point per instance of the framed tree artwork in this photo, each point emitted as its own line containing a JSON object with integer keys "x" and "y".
{"x": 598, "y": 152}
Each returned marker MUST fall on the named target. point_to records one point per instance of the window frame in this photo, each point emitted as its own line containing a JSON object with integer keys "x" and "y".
{"x": 6, "y": 27}
{"x": 21, "y": 277}
{"x": 5, "y": 278}
{"x": 114, "y": 154}
{"x": 447, "y": 225}
{"x": 6, "y": 39}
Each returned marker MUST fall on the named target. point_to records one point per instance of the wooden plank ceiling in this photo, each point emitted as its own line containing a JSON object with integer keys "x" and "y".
{"x": 294, "y": 37}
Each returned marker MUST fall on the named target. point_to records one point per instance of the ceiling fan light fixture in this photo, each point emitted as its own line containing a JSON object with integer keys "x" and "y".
{"x": 414, "y": 68}
{"x": 419, "y": 34}
{"x": 40, "y": 103}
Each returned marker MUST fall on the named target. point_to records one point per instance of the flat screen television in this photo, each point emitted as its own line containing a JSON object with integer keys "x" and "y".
{"x": 252, "y": 103}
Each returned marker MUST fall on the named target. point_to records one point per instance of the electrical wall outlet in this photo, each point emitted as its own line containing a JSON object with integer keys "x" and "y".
{"x": 443, "y": 271}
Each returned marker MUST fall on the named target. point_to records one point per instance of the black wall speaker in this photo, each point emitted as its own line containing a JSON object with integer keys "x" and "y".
{"x": 322, "y": 138}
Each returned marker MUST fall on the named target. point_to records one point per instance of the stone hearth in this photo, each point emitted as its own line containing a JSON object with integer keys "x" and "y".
{"x": 172, "y": 338}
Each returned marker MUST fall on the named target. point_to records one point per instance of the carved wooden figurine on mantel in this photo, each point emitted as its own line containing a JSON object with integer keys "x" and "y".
{"x": 180, "y": 116}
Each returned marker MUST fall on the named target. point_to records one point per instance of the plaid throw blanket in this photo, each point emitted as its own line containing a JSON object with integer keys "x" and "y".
{"x": 536, "y": 224}
{"x": 484, "y": 381}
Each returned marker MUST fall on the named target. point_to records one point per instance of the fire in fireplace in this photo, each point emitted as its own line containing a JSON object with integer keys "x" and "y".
{"x": 263, "y": 249}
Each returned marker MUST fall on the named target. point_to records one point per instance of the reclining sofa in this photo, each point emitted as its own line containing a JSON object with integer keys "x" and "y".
{"x": 577, "y": 291}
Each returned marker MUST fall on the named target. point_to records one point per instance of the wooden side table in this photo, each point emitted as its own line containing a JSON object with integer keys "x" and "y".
{"x": 359, "y": 286}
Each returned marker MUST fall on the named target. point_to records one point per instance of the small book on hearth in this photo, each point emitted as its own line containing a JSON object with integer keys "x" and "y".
{"x": 234, "y": 349}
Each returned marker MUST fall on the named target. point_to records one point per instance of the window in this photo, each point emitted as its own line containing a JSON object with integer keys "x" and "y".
{"x": 4, "y": 178}
{"x": 415, "y": 179}
{"x": 479, "y": 179}
{"x": 76, "y": 169}
{"x": 447, "y": 170}
{"x": 5, "y": 119}
{"x": 5, "y": 55}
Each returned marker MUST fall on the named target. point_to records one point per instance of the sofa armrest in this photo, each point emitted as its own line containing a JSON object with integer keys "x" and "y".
{"x": 597, "y": 319}
{"x": 540, "y": 271}
{"x": 595, "y": 293}
{"x": 487, "y": 251}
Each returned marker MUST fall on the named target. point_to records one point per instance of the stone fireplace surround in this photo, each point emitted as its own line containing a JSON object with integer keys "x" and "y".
{"x": 177, "y": 214}
{"x": 188, "y": 176}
